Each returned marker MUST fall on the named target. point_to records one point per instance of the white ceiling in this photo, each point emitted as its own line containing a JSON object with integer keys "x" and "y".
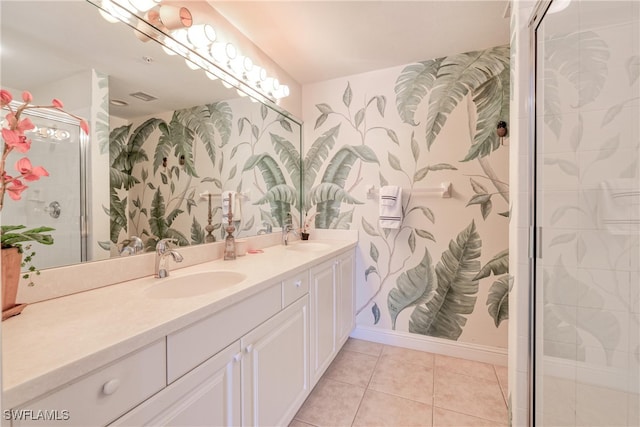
{"x": 321, "y": 40}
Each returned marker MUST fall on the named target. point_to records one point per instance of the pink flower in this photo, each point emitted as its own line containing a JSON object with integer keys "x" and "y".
{"x": 26, "y": 96}
{"x": 16, "y": 139}
{"x": 29, "y": 172}
{"x": 5, "y": 97}
{"x": 25, "y": 125}
{"x": 57, "y": 103}
{"x": 15, "y": 187}
{"x": 84, "y": 126}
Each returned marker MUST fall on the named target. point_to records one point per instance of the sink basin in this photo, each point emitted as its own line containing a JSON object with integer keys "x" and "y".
{"x": 303, "y": 246}
{"x": 194, "y": 284}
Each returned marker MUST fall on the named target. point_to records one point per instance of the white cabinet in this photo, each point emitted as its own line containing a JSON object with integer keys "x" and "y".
{"x": 101, "y": 396}
{"x": 322, "y": 296}
{"x": 332, "y": 299}
{"x": 346, "y": 297}
{"x": 207, "y": 396}
{"x": 275, "y": 374}
{"x": 260, "y": 380}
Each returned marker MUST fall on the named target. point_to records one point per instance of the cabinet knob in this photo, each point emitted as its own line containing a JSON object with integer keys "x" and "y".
{"x": 237, "y": 357}
{"x": 111, "y": 386}
{"x": 298, "y": 283}
{"x": 249, "y": 348}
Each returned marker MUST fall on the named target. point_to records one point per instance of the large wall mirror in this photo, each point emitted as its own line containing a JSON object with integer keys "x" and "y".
{"x": 163, "y": 137}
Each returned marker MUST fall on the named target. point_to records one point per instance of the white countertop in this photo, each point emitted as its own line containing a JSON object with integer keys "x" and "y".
{"x": 57, "y": 340}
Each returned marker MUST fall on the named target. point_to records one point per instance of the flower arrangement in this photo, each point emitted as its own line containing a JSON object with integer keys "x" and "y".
{"x": 304, "y": 231}
{"x": 14, "y": 138}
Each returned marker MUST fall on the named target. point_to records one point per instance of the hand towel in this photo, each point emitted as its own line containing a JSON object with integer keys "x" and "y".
{"x": 619, "y": 206}
{"x": 390, "y": 206}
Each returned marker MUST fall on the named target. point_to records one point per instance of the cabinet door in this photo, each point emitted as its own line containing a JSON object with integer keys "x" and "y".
{"x": 210, "y": 395}
{"x": 322, "y": 295}
{"x": 275, "y": 367}
{"x": 345, "y": 300}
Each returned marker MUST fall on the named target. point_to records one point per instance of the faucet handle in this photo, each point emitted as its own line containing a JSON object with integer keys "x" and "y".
{"x": 163, "y": 244}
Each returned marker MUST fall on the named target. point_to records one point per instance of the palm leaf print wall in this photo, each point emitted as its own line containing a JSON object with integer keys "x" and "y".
{"x": 443, "y": 273}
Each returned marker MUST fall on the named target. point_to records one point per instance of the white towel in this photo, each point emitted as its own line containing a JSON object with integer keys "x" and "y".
{"x": 619, "y": 206}
{"x": 236, "y": 211}
{"x": 390, "y": 206}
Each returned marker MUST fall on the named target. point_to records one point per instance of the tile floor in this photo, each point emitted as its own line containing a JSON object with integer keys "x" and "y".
{"x": 371, "y": 384}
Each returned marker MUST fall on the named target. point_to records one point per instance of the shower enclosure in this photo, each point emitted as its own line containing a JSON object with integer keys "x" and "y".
{"x": 59, "y": 200}
{"x": 586, "y": 213}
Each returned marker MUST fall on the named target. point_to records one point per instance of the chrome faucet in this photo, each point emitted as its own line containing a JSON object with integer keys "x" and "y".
{"x": 287, "y": 228}
{"x": 162, "y": 251}
{"x": 131, "y": 246}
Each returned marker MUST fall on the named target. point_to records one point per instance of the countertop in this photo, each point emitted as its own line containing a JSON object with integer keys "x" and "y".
{"x": 55, "y": 341}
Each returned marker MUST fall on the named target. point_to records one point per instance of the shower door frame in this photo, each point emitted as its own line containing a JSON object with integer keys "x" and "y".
{"x": 539, "y": 12}
{"x": 83, "y": 145}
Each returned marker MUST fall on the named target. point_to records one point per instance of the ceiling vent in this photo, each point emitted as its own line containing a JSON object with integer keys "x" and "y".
{"x": 143, "y": 96}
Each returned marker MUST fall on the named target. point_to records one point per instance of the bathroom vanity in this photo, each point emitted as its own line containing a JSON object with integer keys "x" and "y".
{"x": 246, "y": 351}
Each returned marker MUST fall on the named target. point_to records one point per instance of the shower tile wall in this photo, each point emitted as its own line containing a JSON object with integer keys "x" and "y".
{"x": 588, "y": 206}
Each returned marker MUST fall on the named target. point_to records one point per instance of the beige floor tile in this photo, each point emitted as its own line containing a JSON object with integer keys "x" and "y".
{"x": 297, "y": 423}
{"x": 381, "y": 409}
{"x": 408, "y": 355}
{"x": 408, "y": 380}
{"x": 478, "y": 397}
{"x": 331, "y": 403}
{"x": 445, "y": 418}
{"x": 465, "y": 367}
{"x": 362, "y": 346}
{"x": 352, "y": 367}
{"x": 503, "y": 379}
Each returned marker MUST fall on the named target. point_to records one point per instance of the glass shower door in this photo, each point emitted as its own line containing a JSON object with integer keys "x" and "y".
{"x": 587, "y": 219}
{"x": 55, "y": 201}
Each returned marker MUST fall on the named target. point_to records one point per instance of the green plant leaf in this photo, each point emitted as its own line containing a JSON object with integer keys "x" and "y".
{"x": 289, "y": 156}
{"x": 272, "y": 176}
{"x": 425, "y": 211}
{"x": 263, "y": 111}
{"x": 492, "y": 105}
{"x": 498, "y": 300}
{"x": 415, "y": 148}
{"x": 479, "y": 199}
{"x": 411, "y": 241}
{"x": 485, "y": 208}
{"x": 279, "y": 193}
{"x": 328, "y": 191}
{"x": 373, "y": 252}
{"x": 157, "y": 221}
{"x": 198, "y": 120}
{"x": 457, "y": 75}
{"x": 359, "y": 117}
{"x": 455, "y": 294}
{"x": 412, "y": 86}
{"x": 477, "y": 187}
{"x": 381, "y": 104}
{"x": 375, "y": 310}
{"x": 413, "y": 287}
{"x": 425, "y": 234}
{"x": 394, "y": 162}
{"x": 314, "y": 159}
{"x": 197, "y": 233}
{"x": 347, "y": 95}
{"x": 368, "y": 228}
{"x": 420, "y": 174}
{"x": 393, "y": 136}
{"x": 222, "y": 117}
{"x": 368, "y": 271}
{"x": 497, "y": 265}
{"x": 342, "y": 221}
{"x": 336, "y": 173}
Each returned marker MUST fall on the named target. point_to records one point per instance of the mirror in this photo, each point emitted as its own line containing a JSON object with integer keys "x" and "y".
{"x": 147, "y": 167}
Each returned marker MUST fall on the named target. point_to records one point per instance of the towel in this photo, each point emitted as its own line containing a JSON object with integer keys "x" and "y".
{"x": 390, "y": 206}
{"x": 236, "y": 208}
{"x": 619, "y": 206}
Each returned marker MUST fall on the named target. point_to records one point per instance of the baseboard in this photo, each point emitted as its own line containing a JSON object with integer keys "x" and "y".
{"x": 479, "y": 353}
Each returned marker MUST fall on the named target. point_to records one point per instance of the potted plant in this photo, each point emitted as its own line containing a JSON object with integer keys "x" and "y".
{"x": 15, "y": 239}
{"x": 304, "y": 231}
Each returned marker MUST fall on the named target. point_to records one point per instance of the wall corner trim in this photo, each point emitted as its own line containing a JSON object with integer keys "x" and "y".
{"x": 479, "y": 353}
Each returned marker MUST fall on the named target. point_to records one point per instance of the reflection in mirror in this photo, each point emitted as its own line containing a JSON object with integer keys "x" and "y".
{"x": 152, "y": 163}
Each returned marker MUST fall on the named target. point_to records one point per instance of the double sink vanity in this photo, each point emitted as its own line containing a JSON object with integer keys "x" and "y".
{"x": 238, "y": 342}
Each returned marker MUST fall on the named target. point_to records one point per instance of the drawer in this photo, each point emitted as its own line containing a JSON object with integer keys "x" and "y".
{"x": 102, "y": 396}
{"x": 189, "y": 347}
{"x": 295, "y": 287}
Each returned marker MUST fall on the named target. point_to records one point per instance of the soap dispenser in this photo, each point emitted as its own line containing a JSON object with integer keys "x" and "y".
{"x": 229, "y": 241}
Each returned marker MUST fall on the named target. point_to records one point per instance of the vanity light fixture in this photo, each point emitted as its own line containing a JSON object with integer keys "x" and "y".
{"x": 171, "y": 25}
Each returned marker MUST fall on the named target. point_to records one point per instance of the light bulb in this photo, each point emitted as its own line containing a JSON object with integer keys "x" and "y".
{"x": 282, "y": 92}
{"x": 107, "y": 12}
{"x": 241, "y": 65}
{"x": 201, "y": 35}
{"x": 210, "y": 75}
{"x": 223, "y": 52}
{"x": 257, "y": 74}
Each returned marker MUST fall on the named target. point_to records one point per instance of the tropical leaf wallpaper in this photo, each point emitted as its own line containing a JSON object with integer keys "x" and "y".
{"x": 161, "y": 165}
{"x": 444, "y": 272}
